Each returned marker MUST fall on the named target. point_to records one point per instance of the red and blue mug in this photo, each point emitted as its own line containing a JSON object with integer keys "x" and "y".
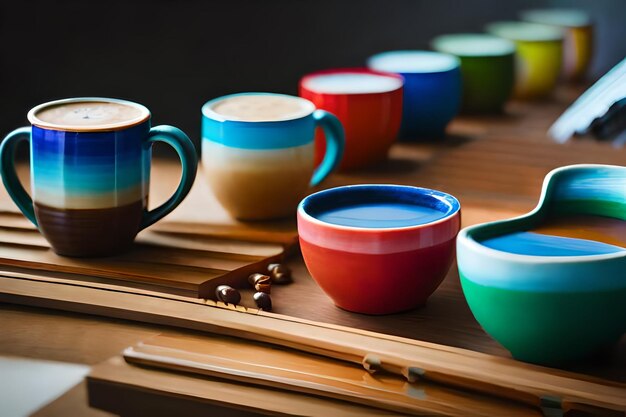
{"x": 378, "y": 249}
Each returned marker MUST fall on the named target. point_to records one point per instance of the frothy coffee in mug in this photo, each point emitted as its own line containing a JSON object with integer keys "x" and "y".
{"x": 257, "y": 152}
{"x": 243, "y": 178}
{"x": 90, "y": 165}
{"x": 260, "y": 108}
{"x": 88, "y": 114}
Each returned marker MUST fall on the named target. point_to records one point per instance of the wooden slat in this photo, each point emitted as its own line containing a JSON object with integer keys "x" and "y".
{"x": 221, "y": 244}
{"x": 126, "y": 390}
{"x": 243, "y": 361}
{"x": 180, "y": 261}
{"x": 451, "y": 366}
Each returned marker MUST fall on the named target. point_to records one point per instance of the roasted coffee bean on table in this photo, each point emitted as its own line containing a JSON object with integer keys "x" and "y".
{"x": 280, "y": 273}
{"x": 254, "y": 279}
{"x": 261, "y": 282}
{"x": 263, "y": 287}
{"x": 227, "y": 294}
{"x": 263, "y": 301}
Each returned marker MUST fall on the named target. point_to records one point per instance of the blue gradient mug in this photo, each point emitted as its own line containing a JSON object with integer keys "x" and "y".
{"x": 258, "y": 152}
{"x": 90, "y": 173}
{"x": 432, "y": 90}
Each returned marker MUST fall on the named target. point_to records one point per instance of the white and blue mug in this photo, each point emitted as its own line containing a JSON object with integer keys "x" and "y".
{"x": 258, "y": 152}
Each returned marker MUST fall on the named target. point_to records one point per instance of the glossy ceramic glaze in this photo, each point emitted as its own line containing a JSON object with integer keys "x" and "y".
{"x": 538, "y": 56}
{"x": 381, "y": 215}
{"x": 554, "y": 307}
{"x": 90, "y": 187}
{"x": 565, "y": 236}
{"x": 370, "y": 115}
{"x": 578, "y": 40}
{"x": 487, "y": 68}
{"x": 378, "y": 270}
{"x": 432, "y": 90}
{"x": 262, "y": 169}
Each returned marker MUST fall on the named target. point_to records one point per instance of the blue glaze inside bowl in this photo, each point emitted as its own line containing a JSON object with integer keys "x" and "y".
{"x": 530, "y": 243}
{"x": 380, "y": 206}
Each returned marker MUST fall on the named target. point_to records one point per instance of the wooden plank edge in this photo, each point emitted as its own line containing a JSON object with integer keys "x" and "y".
{"x": 123, "y": 389}
{"x": 451, "y": 366}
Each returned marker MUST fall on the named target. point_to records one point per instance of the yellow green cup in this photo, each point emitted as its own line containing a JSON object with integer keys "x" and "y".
{"x": 487, "y": 68}
{"x": 538, "y": 56}
{"x": 578, "y": 40}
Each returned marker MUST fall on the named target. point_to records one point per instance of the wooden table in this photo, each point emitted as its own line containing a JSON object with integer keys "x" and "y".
{"x": 494, "y": 165}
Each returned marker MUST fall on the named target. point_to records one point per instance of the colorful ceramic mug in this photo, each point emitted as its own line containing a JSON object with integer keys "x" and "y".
{"x": 578, "y": 41}
{"x": 90, "y": 173}
{"x": 432, "y": 90}
{"x": 369, "y": 106}
{"x": 538, "y": 56}
{"x": 258, "y": 149}
{"x": 378, "y": 249}
{"x": 487, "y": 67}
{"x": 549, "y": 285}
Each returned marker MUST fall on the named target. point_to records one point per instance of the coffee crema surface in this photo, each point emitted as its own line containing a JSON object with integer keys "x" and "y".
{"x": 261, "y": 108}
{"x": 89, "y": 114}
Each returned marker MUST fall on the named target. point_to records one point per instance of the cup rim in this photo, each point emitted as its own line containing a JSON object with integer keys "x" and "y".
{"x": 466, "y": 238}
{"x": 209, "y": 113}
{"x": 502, "y": 29}
{"x": 455, "y": 62}
{"x": 566, "y": 17}
{"x": 350, "y": 70}
{"x": 35, "y": 121}
{"x": 456, "y": 207}
{"x": 438, "y": 44}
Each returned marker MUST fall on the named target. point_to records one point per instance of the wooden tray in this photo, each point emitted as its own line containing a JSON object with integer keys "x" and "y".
{"x": 173, "y": 257}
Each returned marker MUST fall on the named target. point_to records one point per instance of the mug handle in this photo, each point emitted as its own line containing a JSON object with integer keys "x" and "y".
{"x": 189, "y": 161}
{"x": 9, "y": 175}
{"x": 335, "y": 141}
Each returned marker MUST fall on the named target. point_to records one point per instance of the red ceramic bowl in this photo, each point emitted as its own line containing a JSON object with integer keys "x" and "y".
{"x": 369, "y": 105}
{"x": 378, "y": 270}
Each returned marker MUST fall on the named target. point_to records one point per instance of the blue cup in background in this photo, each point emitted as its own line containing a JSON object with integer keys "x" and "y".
{"x": 432, "y": 90}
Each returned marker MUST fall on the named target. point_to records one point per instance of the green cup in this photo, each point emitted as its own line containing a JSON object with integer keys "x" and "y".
{"x": 487, "y": 68}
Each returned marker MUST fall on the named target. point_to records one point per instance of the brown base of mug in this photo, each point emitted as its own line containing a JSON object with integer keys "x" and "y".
{"x": 90, "y": 232}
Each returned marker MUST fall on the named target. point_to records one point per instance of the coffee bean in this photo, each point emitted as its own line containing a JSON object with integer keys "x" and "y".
{"x": 265, "y": 287}
{"x": 263, "y": 301}
{"x": 280, "y": 273}
{"x": 259, "y": 279}
{"x": 227, "y": 294}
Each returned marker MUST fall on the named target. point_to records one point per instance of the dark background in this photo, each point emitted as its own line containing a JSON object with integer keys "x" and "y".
{"x": 172, "y": 56}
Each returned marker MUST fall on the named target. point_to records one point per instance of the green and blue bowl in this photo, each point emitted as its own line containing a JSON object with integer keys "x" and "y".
{"x": 550, "y": 309}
